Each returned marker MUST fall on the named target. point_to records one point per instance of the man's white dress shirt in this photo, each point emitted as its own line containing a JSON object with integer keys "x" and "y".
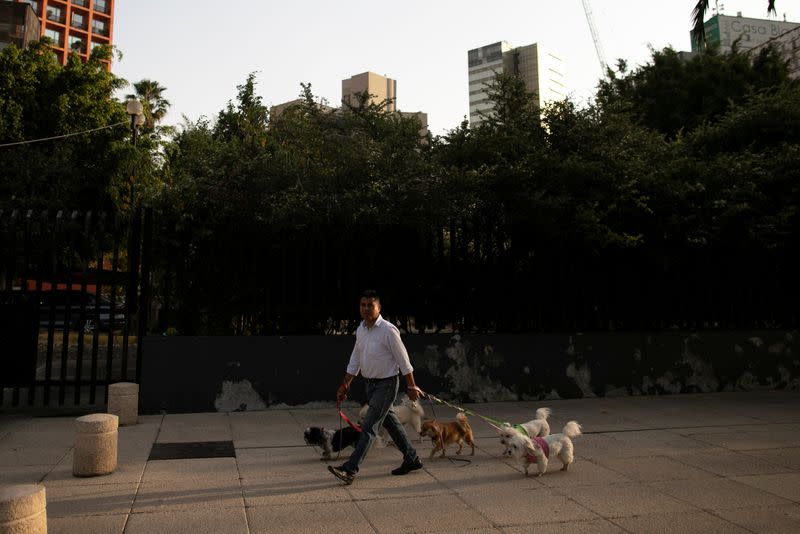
{"x": 379, "y": 352}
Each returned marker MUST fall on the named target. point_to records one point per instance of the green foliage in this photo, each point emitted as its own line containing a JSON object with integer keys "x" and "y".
{"x": 39, "y": 98}
{"x": 673, "y": 96}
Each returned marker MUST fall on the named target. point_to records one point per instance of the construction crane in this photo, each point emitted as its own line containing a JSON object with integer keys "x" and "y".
{"x": 598, "y": 46}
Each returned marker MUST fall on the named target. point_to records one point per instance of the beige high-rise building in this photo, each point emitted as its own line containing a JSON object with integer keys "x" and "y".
{"x": 541, "y": 69}
{"x": 380, "y": 89}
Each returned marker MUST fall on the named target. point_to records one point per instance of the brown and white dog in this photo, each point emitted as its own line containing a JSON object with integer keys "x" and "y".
{"x": 444, "y": 434}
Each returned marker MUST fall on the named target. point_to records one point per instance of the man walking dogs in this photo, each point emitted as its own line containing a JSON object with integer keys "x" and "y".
{"x": 379, "y": 354}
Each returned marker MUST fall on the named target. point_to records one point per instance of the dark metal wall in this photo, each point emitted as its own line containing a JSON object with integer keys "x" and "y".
{"x": 194, "y": 374}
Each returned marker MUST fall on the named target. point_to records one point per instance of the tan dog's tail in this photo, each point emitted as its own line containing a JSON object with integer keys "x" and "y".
{"x": 542, "y": 413}
{"x": 572, "y": 430}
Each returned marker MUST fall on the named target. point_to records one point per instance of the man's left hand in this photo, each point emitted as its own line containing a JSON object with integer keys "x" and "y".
{"x": 413, "y": 393}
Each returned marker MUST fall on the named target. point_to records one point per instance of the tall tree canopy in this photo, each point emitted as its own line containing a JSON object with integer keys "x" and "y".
{"x": 40, "y": 98}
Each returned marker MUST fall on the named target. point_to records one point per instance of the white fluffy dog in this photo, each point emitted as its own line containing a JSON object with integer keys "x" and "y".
{"x": 408, "y": 412}
{"x": 538, "y": 427}
{"x": 538, "y": 450}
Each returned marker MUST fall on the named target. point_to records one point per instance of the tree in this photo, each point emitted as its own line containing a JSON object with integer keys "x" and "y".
{"x": 150, "y": 93}
{"x": 699, "y": 13}
{"x": 39, "y": 98}
{"x": 672, "y": 96}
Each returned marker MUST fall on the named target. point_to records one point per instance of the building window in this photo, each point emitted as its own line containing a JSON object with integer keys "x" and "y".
{"x": 34, "y": 4}
{"x": 55, "y": 14}
{"x": 76, "y": 44}
{"x": 81, "y": 3}
{"x": 55, "y": 35}
{"x": 101, "y": 6}
{"x": 100, "y": 27}
{"x": 78, "y": 21}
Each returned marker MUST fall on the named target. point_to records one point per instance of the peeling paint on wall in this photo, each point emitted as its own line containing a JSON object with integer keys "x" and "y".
{"x": 238, "y": 397}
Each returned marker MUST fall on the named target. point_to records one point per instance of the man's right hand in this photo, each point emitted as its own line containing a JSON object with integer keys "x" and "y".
{"x": 341, "y": 394}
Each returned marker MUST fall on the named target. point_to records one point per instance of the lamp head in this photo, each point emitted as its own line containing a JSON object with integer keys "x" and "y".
{"x": 134, "y": 107}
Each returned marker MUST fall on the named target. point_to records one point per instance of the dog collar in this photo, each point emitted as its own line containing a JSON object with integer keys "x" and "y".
{"x": 522, "y": 430}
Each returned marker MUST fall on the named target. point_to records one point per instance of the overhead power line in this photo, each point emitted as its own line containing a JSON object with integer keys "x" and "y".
{"x": 63, "y": 136}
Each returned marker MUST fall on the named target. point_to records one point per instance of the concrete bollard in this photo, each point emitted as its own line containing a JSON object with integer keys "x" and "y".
{"x": 23, "y": 509}
{"x": 123, "y": 401}
{"x": 95, "y": 445}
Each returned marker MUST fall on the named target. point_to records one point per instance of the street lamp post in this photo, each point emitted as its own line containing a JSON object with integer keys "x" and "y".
{"x": 136, "y": 111}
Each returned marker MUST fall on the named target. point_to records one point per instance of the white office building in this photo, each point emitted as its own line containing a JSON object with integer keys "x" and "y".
{"x": 540, "y": 68}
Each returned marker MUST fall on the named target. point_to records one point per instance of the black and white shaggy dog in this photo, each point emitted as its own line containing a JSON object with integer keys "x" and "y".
{"x": 331, "y": 441}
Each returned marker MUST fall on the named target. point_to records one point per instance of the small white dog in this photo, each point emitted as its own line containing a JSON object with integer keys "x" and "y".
{"x": 409, "y": 413}
{"x": 538, "y": 427}
{"x": 538, "y": 450}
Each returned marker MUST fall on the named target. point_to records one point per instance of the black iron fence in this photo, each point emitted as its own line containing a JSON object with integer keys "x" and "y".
{"x": 469, "y": 277}
{"x": 73, "y": 302}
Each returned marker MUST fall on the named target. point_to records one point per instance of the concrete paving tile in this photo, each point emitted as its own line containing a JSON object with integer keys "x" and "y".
{"x": 33, "y": 455}
{"x": 125, "y": 473}
{"x": 278, "y": 457}
{"x": 380, "y": 484}
{"x": 189, "y": 521}
{"x": 421, "y": 514}
{"x": 86, "y": 524}
{"x": 270, "y": 428}
{"x": 788, "y": 458}
{"x": 624, "y": 500}
{"x": 716, "y": 494}
{"x": 751, "y": 440}
{"x": 582, "y": 472}
{"x": 189, "y": 434}
{"x": 728, "y": 463}
{"x": 653, "y": 469}
{"x": 183, "y": 494}
{"x": 633, "y": 444}
{"x": 467, "y": 477}
{"x": 195, "y": 470}
{"x": 685, "y": 523}
{"x": 23, "y": 474}
{"x": 514, "y": 506}
{"x": 343, "y": 517}
{"x": 786, "y": 485}
{"x": 766, "y": 519}
{"x": 479, "y": 530}
{"x": 596, "y": 526}
{"x": 54, "y": 438}
{"x": 96, "y": 499}
{"x": 658, "y": 442}
{"x": 289, "y": 489}
{"x": 603, "y": 446}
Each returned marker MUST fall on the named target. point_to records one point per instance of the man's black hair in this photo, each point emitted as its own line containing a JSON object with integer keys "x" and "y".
{"x": 370, "y": 294}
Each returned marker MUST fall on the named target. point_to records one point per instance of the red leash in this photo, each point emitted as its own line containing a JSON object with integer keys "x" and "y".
{"x": 347, "y": 420}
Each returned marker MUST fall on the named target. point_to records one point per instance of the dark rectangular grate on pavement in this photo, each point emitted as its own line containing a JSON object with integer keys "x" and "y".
{"x": 198, "y": 449}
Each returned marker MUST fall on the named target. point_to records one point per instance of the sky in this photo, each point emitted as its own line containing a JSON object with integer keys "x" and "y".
{"x": 200, "y": 50}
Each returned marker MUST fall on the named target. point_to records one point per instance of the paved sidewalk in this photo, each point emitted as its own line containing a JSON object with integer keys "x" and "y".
{"x": 726, "y": 462}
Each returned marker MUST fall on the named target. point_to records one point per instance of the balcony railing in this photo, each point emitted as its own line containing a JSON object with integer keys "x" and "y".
{"x": 100, "y": 30}
{"x": 102, "y": 6}
{"x": 55, "y": 15}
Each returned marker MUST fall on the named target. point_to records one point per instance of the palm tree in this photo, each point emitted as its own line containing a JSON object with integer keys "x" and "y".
{"x": 155, "y": 106}
{"x": 699, "y": 13}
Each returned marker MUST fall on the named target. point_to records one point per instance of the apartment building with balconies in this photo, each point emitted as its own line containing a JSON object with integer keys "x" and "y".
{"x": 75, "y": 26}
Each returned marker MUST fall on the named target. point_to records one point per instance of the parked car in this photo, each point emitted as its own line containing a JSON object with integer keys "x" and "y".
{"x": 83, "y": 310}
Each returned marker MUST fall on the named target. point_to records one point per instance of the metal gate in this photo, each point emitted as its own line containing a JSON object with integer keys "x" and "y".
{"x": 73, "y": 305}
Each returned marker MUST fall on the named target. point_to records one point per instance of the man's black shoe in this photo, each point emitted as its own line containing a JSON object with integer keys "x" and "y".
{"x": 407, "y": 467}
{"x": 341, "y": 474}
